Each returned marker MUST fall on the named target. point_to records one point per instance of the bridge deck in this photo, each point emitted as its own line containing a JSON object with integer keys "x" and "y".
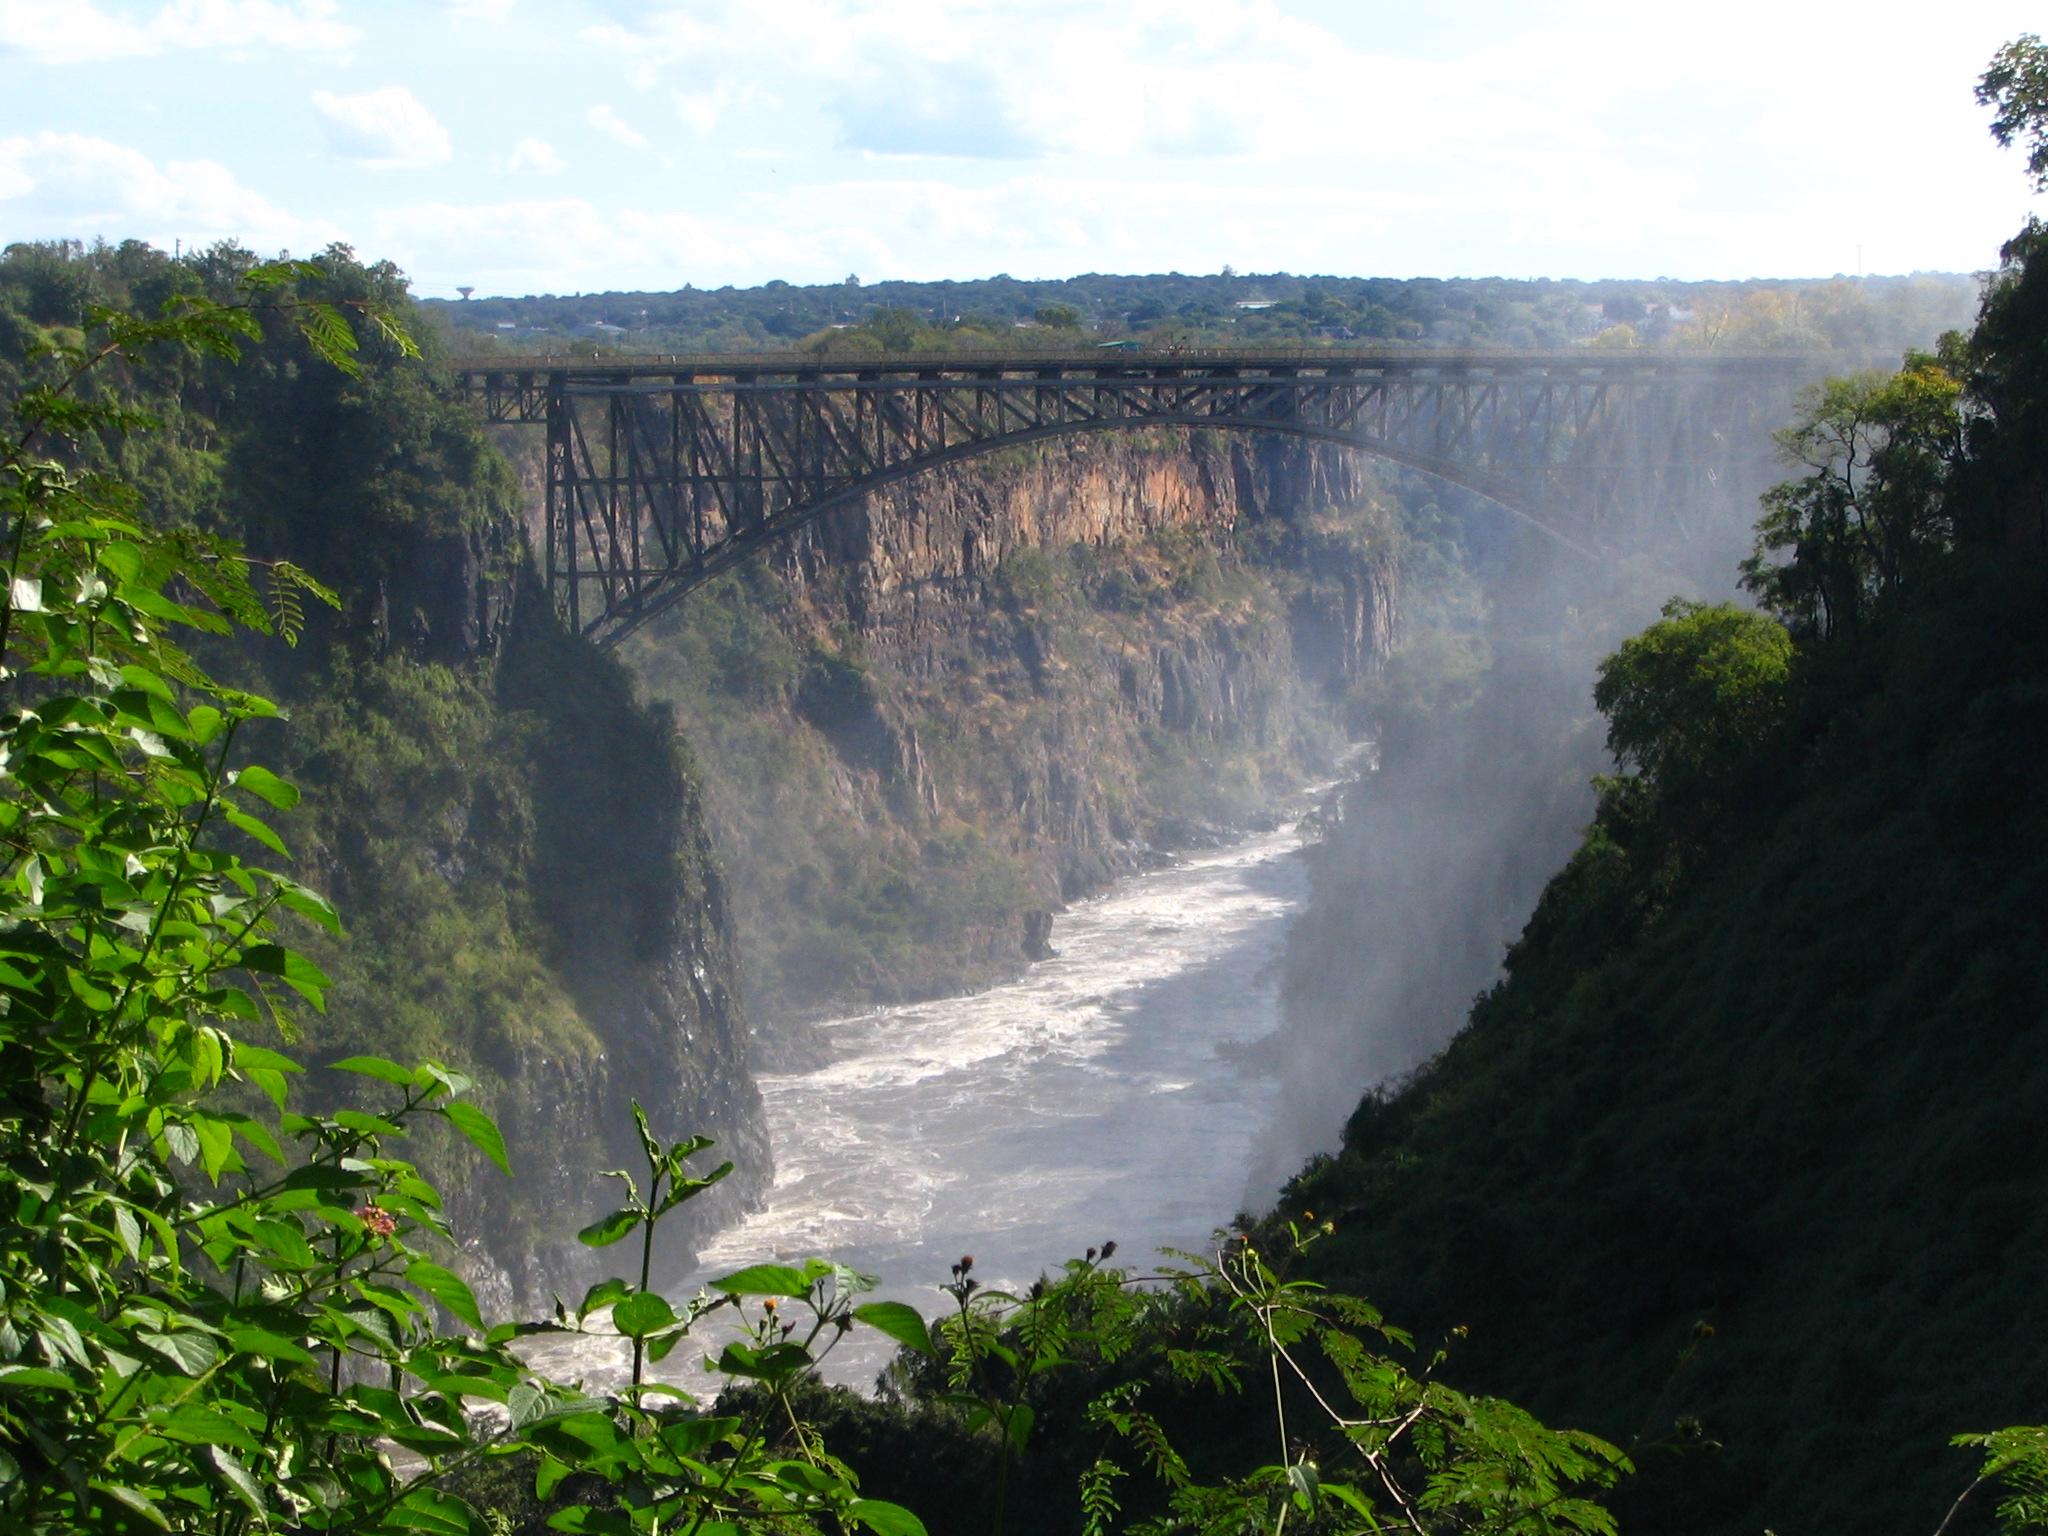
{"x": 1160, "y": 362}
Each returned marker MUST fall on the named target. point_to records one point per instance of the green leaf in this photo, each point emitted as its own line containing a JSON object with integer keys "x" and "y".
{"x": 899, "y": 1322}
{"x": 776, "y": 1362}
{"x": 264, "y": 784}
{"x": 370, "y": 1066}
{"x": 647, "y": 1142}
{"x": 446, "y": 1287}
{"x": 147, "y": 681}
{"x": 18, "y": 1378}
{"x": 1017, "y": 1423}
{"x": 260, "y": 830}
{"x": 364, "y": 1124}
{"x": 479, "y": 1128}
{"x": 884, "y": 1518}
{"x": 602, "y": 1234}
{"x": 192, "y": 1353}
{"x": 216, "y": 1143}
{"x": 265, "y": 1345}
{"x": 237, "y": 1477}
{"x": 196, "y": 1425}
{"x": 637, "y": 1316}
{"x": 1344, "y": 1493}
{"x": 764, "y": 1280}
{"x": 661, "y": 1345}
{"x": 310, "y": 982}
{"x": 135, "y": 1502}
{"x": 128, "y": 1230}
{"x": 296, "y": 898}
{"x": 257, "y": 1056}
{"x": 694, "y": 1435}
{"x": 602, "y": 1294}
{"x": 428, "y": 1509}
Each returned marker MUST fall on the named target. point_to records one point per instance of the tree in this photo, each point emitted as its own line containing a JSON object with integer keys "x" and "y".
{"x": 2016, "y": 84}
{"x": 1880, "y": 450}
{"x": 1691, "y": 699}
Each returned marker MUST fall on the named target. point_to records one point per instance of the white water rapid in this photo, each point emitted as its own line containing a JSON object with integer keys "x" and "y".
{"x": 1090, "y": 1099}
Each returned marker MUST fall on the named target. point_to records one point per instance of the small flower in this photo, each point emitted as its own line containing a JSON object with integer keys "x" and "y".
{"x": 769, "y": 1304}
{"x": 1108, "y": 1251}
{"x": 966, "y": 1263}
{"x": 380, "y": 1222}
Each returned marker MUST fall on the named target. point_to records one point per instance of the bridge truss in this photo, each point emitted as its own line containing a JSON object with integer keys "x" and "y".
{"x": 663, "y": 472}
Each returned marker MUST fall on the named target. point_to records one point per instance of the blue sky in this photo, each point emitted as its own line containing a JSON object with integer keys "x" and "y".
{"x": 534, "y": 146}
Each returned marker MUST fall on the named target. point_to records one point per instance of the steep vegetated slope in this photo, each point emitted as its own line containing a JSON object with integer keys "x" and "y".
{"x": 934, "y": 717}
{"x": 1422, "y": 869}
{"x": 1761, "y": 1094}
{"x": 514, "y": 842}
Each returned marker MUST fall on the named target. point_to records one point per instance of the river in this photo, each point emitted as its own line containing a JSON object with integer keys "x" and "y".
{"x": 1093, "y": 1098}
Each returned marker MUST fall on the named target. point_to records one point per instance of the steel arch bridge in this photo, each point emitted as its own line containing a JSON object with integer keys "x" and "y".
{"x": 664, "y": 471}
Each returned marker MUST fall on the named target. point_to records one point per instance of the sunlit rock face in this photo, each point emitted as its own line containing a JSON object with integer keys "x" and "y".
{"x": 1026, "y": 674}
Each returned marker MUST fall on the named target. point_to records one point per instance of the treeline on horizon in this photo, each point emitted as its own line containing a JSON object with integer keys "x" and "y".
{"x": 1880, "y": 315}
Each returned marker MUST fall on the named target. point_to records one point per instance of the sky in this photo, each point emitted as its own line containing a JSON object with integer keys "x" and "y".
{"x": 535, "y": 146}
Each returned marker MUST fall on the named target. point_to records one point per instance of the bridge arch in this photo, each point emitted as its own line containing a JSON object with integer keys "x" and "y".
{"x": 1490, "y": 488}
{"x": 662, "y": 474}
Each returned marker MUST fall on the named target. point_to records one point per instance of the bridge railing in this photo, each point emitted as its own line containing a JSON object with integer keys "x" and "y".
{"x": 1160, "y": 359}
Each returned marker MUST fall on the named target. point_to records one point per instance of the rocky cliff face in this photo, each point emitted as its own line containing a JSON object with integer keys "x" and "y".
{"x": 517, "y": 845}
{"x": 935, "y": 715}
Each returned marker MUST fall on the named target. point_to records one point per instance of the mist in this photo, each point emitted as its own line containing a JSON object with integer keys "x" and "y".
{"x": 1425, "y": 867}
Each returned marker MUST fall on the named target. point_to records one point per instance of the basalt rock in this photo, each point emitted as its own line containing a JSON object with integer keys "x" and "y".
{"x": 1014, "y": 680}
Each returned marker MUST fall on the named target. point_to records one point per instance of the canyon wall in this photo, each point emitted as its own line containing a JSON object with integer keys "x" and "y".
{"x": 513, "y": 839}
{"x": 930, "y": 719}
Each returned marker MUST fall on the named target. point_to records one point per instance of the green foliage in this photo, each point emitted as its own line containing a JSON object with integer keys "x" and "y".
{"x": 1691, "y": 701}
{"x": 1872, "y": 510}
{"x": 1787, "y": 1094}
{"x": 218, "y": 1320}
{"x": 1116, "y": 1366}
{"x": 2017, "y": 85}
{"x": 2018, "y": 1459}
{"x": 1759, "y": 1077}
{"x": 463, "y": 776}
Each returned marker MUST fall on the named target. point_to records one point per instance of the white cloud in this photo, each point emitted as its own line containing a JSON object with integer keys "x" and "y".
{"x": 608, "y": 122}
{"x": 567, "y": 244}
{"x": 537, "y": 156}
{"x": 80, "y": 32}
{"x": 480, "y": 10}
{"x": 309, "y": 25}
{"x": 701, "y": 111}
{"x": 387, "y": 129}
{"x": 54, "y": 185}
